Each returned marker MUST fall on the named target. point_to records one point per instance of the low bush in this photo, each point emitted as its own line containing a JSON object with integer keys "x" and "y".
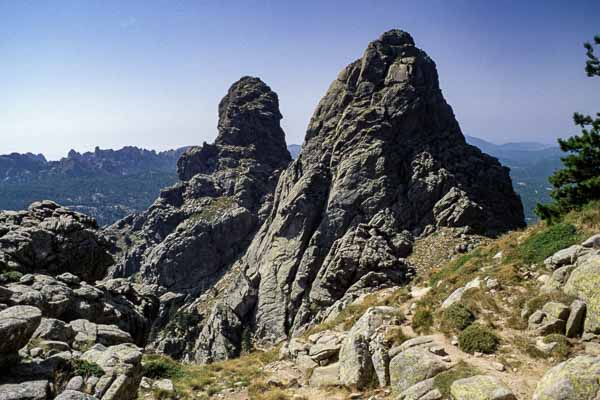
{"x": 456, "y": 318}
{"x": 478, "y": 338}
{"x": 85, "y": 368}
{"x": 562, "y": 348}
{"x": 422, "y": 320}
{"x": 160, "y": 367}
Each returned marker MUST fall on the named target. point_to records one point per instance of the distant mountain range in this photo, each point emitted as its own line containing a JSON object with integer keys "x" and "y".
{"x": 110, "y": 184}
{"x": 106, "y": 184}
{"x": 530, "y": 164}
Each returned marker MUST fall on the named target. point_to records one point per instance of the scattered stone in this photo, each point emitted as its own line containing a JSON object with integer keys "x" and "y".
{"x": 165, "y": 385}
{"x": 76, "y": 383}
{"x": 498, "y": 366}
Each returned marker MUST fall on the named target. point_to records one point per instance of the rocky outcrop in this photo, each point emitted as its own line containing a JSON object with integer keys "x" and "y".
{"x": 200, "y": 226}
{"x": 118, "y": 302}
{"x": 51, "y": 238}
{"x": 383, "y": 160}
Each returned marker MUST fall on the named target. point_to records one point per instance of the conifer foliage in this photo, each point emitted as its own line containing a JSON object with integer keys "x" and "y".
{"x": 579, "y": 181}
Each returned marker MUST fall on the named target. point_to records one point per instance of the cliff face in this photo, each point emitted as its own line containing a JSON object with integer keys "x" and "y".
{"x": 384, "y": 159}
{"x": 198, "y": 227}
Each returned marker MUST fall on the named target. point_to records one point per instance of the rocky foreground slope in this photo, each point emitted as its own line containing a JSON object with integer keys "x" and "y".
{"x": 60, "y": 330}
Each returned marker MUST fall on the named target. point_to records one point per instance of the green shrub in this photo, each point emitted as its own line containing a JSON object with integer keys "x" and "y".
{"x": 478, "y": 338}
{"x": 159, "y": 367}
{"x": 456, "y": 318}
{"x": 546, "y": 242}
{"x": 12, "y": 276}
{"x": 86, "y": 368}
{"x": 422, "y": 320}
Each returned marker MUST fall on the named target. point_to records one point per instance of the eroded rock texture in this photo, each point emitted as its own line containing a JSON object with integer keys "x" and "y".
{"x": 200, "y": 226}
{"x": 384, "y": 159}
{"x": 50, "y": 238}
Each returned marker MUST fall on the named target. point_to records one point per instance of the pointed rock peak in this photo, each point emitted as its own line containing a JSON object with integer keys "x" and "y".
{"x": 249, "y": 115}
{"x": 249, "y": 121}
{"x": 396, "y": 37}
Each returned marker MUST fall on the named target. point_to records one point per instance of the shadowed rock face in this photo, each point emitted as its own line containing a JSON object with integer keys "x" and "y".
{"x": 200, "y": 226}
{"x": 384, "y": 159}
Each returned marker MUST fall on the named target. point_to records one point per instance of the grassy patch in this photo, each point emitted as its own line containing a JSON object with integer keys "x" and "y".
{"x": 261, "y": 391}
{"x": 478, "y": 338}
{"x": 545, "y": 242}
{"x": 537, "y": 302}
{"x": 422, "y": 320}
{"x": 215, "y": 208}
{"x": 444, "y": 380}
{"x": 395, "y": 336}
{"x": 527, "y": 346}
{"x": 11, "y": 276}
{"x": 562, "y": 349}
{"x": 456, "y": 318}
{"x": 194, "y": 381}
{"x": 160, "y": 367}
{"x": 86, "y": 368}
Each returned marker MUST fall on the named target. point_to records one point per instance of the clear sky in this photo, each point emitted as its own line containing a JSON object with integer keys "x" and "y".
{"x": 76, "y": 74}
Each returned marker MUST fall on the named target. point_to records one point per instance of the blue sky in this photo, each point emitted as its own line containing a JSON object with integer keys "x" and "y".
{"x": 76, "y": 74}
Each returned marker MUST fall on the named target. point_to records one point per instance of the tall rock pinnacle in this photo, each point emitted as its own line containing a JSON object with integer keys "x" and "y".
{"x": 248, "y": 124}
{"x": 186, "y": 239}
{"x": 384, "y": 160}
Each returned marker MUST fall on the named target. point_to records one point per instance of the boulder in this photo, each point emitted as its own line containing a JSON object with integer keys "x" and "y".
{"x": 592, "y": 242}
{"x": 122, "y": 370}
{"x": 576, "y": 319}
{"x": 565, "y": 256}
{"x": 583, "y": 284}
{"x": 29, "y": 390}
{"x": 325, "y": 376}
{"x": 54, "y": 329}
{"x": 17, "y": 325}
{"x": 481, "y": 387}
{"x": 415, "y": 365}
{"x": 74, "y": 395}
{"x": 363, "y": 357}
{"x": 88, "y": 333}
{"x": 424, "y": 390}
{"x": 574, "y": 379}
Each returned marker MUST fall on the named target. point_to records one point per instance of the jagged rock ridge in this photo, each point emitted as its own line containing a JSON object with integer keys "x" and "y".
{"x": 199, "y": 226}
{"x": 384, "y": 159}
